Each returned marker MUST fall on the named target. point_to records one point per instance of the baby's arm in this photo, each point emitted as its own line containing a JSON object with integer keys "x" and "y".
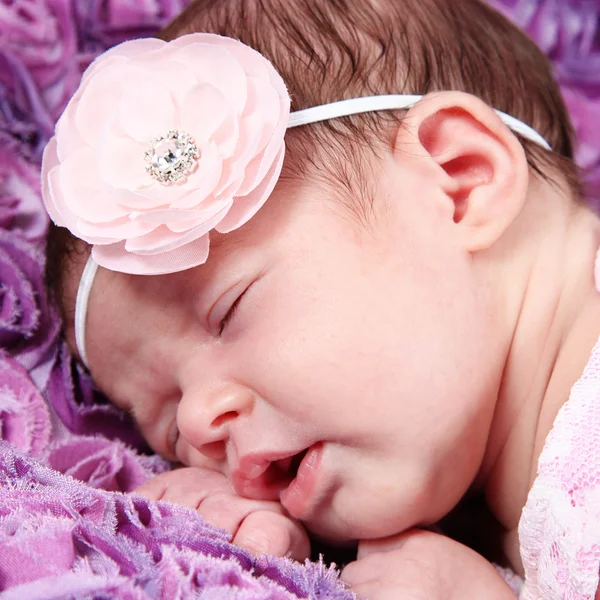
{"x": 262, "y": 527}
{"x": 419, "y": 565}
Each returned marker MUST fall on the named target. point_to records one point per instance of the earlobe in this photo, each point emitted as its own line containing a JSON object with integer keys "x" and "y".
{"x": 485, "y": 171}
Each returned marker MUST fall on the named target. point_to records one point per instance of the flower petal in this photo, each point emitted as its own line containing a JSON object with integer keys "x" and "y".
{"x": 227, "y": 137}
{"x": 171, "y": 216}
{"x": 121, "y": 163}
{"x": 263, "y": 100}
{"x": 146, "y": 110}
{"x": 116, "y": 258}
{"x": 215, "y": 66}
{"x": 96, "y": 66}
{"x": 49, "y": 162}
{"x": 57, "y": 208}
{"x": 206, "y": 100}
{"x": 254, "y": 63}
{"x": 125, "y": 50}
{"x": 67, "y": 136}
{"x": 173, "y": 75}
{"x": 257, "y": 171}
{"x": 251, "y": 132}
{"x": 202, "y": 182}
{"x": 117, "y": 230}
{"x": 84, "y": 193}
{"x": 162, "y": 239}
{"x": 246, "y": 207}
{"x": 136, "y": 47}
{"x": 98, "y": 101}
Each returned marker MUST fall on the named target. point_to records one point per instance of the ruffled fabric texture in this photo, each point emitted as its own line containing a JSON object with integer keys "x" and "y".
{"x": 568, "y": 31}
{"x": 60, "y": 538}
{"x": 84, "y": 536}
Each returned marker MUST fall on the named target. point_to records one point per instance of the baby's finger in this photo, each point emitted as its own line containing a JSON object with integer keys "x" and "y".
{"x": 153, "y": 489}
{"x": 266, "y": 532}
{"x": 365, "y": 580}
{"x": 376, "y": 590}
{"x": 360, "y": 572}
{"x": 186, "y": 486}
{"x": 228, "y": 511}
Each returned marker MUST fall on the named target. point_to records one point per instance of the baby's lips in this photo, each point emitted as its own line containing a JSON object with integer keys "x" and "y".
{"x": 261, "y": 478}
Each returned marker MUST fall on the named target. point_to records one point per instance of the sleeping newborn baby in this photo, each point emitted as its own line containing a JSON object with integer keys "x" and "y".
{"x": 343, "y": 319}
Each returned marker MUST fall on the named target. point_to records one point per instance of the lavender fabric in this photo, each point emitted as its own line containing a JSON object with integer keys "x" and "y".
{"x": 68, "y": 527}
{"x": 60, "y": 538}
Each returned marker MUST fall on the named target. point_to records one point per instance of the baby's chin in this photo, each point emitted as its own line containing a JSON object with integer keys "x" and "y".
{"x": 346, "y": 530}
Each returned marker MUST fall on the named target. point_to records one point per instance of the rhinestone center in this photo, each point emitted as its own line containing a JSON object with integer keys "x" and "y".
{"x": 172, "y": 157}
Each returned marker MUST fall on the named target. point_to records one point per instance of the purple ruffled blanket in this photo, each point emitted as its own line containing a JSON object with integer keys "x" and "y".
{"x": 60, "y": 538}
{"x": 66, "y": 527}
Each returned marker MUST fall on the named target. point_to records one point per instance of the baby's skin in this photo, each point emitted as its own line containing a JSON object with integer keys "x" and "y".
{"x": 356, "y": 375}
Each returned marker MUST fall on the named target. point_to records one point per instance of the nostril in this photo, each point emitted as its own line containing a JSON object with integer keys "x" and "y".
{"x": 224, "y": 419}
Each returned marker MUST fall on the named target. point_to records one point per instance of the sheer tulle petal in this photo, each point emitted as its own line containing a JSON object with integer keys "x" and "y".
{"x": 116, "y": 258}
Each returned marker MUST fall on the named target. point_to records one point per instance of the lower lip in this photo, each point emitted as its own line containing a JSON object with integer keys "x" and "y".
{"x": 296, "y": 498}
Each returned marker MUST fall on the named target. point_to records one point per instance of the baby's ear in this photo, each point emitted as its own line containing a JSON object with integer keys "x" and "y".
{"x": 485, "y": 171}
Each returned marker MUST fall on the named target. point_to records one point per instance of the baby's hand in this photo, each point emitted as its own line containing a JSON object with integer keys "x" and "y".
{"x": 261, "y": 527}
{"x": 420, "y": 565}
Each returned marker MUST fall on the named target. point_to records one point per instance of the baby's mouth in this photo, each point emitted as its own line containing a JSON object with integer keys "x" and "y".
{"x": 290, "y": 464}
{"x": 261, "y": 478}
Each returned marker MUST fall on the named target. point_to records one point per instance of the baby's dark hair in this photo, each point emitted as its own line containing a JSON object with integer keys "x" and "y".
{"x": 328, "y": 50}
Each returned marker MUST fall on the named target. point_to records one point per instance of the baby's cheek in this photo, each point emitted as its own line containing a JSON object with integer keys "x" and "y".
{"x": 160, "y": 432}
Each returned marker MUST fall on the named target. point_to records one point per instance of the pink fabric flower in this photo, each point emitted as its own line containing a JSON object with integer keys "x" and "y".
{"x": 222, "y": 94}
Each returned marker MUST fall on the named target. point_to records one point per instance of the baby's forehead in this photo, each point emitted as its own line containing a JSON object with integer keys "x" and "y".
{"x": 227, "y": 251}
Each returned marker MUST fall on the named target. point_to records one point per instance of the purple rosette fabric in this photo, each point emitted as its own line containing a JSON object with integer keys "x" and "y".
{"x": 44, "y": 47}
{"x": 37, "y": 71}
{"x": 28, "y": 322}
{"x": 108, "y": 22}
{"x": 81, "y": 409}
{"x": 568, "y": 31}
{"x": 24, "y": 416}
{"x": 21, "y": 208}
{"x": 102, "y": 463}
{"x": 62, "y": 539}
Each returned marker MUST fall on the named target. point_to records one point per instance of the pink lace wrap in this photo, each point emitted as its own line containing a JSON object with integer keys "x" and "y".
{"x": 559, "y": 529}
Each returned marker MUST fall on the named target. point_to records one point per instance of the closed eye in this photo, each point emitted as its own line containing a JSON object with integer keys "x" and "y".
{"x": 231, "y": 312}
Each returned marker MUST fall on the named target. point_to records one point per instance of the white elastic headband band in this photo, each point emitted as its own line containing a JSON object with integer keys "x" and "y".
{"x": 81, "y": 303}
{"x": 324, "y": 112}
{"x": 354, "y": 106}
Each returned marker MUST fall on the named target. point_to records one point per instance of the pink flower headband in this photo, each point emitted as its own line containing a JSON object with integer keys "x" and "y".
{"x": 165, "y": 141}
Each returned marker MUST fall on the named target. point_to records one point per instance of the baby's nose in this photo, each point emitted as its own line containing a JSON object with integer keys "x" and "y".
{"x": 206, "y": 421}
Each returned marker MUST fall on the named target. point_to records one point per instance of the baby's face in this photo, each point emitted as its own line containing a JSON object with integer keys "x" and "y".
{"x": 345, "y": 370}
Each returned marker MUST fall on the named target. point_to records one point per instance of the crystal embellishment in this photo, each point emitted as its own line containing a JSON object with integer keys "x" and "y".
{"x": 172, "y": 157}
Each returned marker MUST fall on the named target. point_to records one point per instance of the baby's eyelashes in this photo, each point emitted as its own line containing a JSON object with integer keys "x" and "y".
{"x": 224, "y": 308}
